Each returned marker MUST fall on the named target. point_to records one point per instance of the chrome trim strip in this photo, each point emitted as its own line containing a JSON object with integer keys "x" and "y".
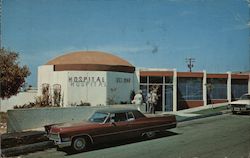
{"x": 105, "y": 121}
{"x": 100, "y": 135}
{"x": 63, "y": 144}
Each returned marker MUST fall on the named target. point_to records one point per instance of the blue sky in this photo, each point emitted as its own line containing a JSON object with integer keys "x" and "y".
{"x": 147, "y": 33}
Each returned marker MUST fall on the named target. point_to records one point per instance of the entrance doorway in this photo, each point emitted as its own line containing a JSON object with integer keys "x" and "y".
{"x": 159, "y": 94}
{"x": 164, "y": 86}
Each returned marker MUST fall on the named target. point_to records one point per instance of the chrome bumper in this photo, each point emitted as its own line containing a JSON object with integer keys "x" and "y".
{"x": 240, "y": 108}
{"x": 57, "y": 140}
{"x": 63, "y": 144}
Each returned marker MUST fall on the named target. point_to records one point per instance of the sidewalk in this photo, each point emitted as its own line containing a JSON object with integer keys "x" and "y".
{"x": 200, "y": 112}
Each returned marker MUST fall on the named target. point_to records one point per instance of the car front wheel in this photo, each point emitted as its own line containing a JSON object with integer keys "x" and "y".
{"x": 79, "y": 144}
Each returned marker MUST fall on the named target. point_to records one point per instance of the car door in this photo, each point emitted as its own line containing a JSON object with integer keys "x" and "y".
{"x": 115, "y": 128}
{"x": 133, "y": 125}
{"x": 137, "y": 124}
{"x": 119, "y": 121}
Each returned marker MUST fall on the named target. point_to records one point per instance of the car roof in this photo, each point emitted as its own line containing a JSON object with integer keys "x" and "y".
{"x": 115, "y": 110}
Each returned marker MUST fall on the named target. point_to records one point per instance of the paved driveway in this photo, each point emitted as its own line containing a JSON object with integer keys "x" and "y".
{"x": 225, "y": 136}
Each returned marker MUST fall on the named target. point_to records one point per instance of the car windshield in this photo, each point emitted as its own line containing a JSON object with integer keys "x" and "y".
{"x": 98, "y": 117}
{"x": 245, "y": 97}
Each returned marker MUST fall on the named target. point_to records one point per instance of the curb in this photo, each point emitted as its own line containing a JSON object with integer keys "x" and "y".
{"x": 27, "y": 148}
{"x": 203, "y": 116}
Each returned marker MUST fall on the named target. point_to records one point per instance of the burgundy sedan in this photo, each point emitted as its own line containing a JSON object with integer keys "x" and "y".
{"x": 108, "y": 124}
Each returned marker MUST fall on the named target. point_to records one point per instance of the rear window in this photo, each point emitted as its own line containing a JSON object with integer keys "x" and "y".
{"x": 138, "y": 114}
{"x": 118, "y": 117}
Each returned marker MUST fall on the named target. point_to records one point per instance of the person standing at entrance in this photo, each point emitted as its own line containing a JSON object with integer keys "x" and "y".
{"x": 152, "y": 100}
{"x": 137, "y": 98}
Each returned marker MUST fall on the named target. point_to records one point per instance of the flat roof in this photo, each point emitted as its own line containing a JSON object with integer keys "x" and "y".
{"x": 117, "y": 110}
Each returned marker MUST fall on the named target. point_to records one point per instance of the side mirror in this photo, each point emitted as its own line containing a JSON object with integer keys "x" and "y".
{"x": 113, "y": 123}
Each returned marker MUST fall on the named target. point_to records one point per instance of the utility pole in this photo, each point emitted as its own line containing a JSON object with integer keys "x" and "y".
{"x": 190, "y": 64}
{"x": 1, "y": 3}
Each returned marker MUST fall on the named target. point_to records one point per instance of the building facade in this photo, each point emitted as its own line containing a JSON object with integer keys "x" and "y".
{"x": 87, "y": 77}
{"x": 100, "y": 78}
{"x": 183, "y": 90}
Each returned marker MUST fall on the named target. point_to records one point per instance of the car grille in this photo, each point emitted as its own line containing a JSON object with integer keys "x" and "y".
{"x": 54, "y": 136}
{"x": 238, "y": 105}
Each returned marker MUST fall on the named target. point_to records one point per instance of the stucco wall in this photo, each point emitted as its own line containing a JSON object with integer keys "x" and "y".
{"x": 87, "y": 86}
{"x": 19, "y": 99}
{"x": 27, "y": 119}
{"x": 46, "y": 75}
{"x": 24, "y": 119}
{"x": 119, "y": 87}
{"x": 95, "y": 87}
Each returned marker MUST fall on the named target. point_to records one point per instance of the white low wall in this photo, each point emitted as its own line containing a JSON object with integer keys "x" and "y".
{"x": 27, "y": 119}
{"x": 20, "y": 99}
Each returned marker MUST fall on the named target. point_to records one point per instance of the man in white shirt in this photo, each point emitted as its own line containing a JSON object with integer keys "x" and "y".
{"x": 138, "y": 98}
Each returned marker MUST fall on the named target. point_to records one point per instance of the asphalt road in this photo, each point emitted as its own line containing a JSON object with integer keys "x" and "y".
{"x": 225, "y": 136}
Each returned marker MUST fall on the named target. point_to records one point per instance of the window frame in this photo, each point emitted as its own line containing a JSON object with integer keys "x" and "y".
{"x": 130, "y": 119}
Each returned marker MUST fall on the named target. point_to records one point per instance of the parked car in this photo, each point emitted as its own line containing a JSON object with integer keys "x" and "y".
{"x": 241, "y": 105}
{"x": 108, "y": 124}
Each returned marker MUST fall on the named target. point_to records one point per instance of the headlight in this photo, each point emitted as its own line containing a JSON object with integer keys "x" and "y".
{"x": 65, "y": 139}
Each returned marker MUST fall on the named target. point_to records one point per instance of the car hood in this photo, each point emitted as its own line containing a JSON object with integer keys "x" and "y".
{"x": 63, "y": 127}
{"x": 245, "y": 102}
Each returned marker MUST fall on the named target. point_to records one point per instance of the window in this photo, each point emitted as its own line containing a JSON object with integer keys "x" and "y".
{"x": 155, "y": 79}
{"x": 239, "y": 87}
{"x": 98, "y": 117}
{"x": 45, "y": 89}
{"x": 168, "y": 79}
{"x": 118, "y": 117}
{"x": 46, "y": 93}
{"x": 130, "y": 116}
{"x": 217, "y": 88}
{"x": 143, "y": 79}
{"x": 57, "y": 94}
{"x": 169, "y": 98}
{"x": 143, "y": 88}
{"x": 138, "y": 114}
{"x": 189, "y": 89}
{"x": 245, "y": 97}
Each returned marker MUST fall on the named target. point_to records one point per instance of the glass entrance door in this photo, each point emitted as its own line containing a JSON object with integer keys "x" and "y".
{"x": 159, "y": 95}
{"x": 164, "y": 86}
{"x": 168, "y": 97}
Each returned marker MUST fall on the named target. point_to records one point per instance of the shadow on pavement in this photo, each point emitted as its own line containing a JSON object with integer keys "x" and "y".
{"x": 121, "y": 142}
{"x": 243, "y": 113}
